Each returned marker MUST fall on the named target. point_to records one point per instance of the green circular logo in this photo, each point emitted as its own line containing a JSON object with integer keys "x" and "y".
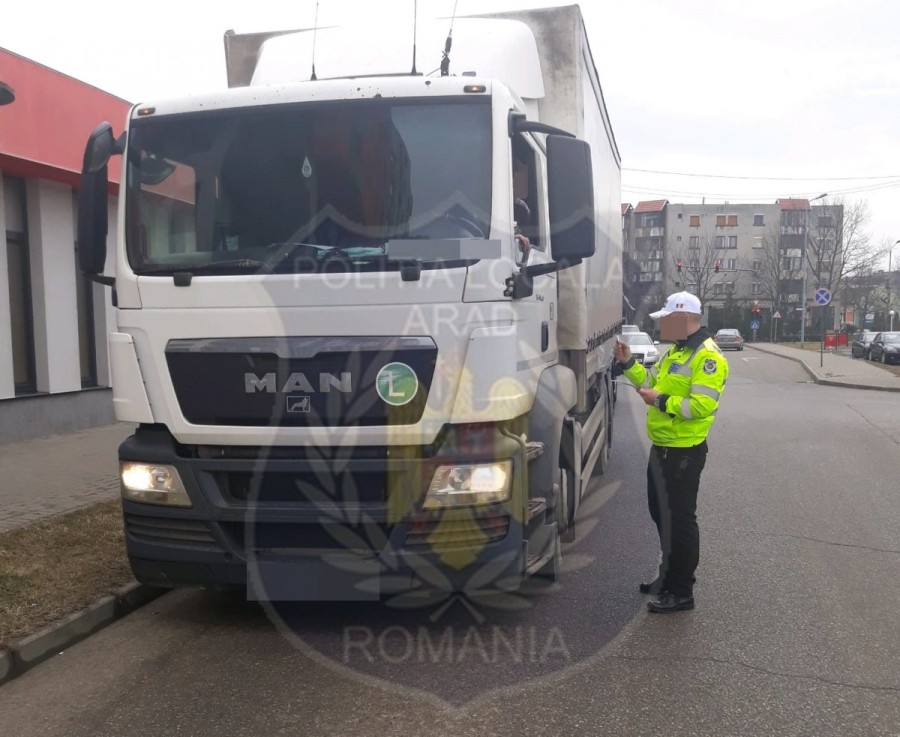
{"x": 397, "y": 384}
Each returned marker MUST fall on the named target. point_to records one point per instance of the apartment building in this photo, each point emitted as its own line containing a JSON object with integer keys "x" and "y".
{"x": 736, "y": 256}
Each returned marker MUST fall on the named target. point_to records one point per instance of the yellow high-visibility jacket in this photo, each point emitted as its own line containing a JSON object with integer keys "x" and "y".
{"x": 692, "y": 377}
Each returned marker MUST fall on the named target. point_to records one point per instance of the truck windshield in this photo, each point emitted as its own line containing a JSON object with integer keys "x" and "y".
{"x": 304, "y": 187}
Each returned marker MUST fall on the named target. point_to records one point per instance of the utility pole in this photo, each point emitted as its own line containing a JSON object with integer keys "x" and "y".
{"x": 804, "y": 264}
{"x": 889, "y": 280}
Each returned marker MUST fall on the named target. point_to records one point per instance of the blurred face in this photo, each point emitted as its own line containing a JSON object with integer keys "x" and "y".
{"x": 678, "y": 326}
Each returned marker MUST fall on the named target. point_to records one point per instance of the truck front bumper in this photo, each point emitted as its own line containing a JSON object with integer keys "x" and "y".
{"x": 322, "y": 524}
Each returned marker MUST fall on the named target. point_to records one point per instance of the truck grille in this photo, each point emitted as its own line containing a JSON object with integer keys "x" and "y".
{"x": 302, "y": 382}
{"x": 170, "y": 531}
{"x": 444, "y": 533}
{"x": 304, "y": 488}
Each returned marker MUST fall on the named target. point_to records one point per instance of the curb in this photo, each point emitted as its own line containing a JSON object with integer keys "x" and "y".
{"x": 813, "y": 374}
{"x": 22, "y": 655}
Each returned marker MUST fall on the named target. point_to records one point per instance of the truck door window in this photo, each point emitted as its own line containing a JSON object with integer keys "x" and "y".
{"x": 527, "y": 194}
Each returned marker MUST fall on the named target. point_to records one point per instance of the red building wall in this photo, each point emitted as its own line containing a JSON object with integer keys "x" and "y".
{"x": 43, "y": 132}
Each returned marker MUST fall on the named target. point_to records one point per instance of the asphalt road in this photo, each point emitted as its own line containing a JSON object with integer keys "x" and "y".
{"x": 795, "y": 633}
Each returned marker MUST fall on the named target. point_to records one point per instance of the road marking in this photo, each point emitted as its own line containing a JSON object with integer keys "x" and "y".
{"x": 754, "y": 358}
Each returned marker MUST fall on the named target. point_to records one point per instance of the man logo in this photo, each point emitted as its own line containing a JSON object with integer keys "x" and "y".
{"x": 298, "y": 404}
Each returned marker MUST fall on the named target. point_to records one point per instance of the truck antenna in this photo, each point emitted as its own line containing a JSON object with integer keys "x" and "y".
{"x": 415, "y": 28}
{"x": 445, "y": 61}
{"x": 313, "y": 78}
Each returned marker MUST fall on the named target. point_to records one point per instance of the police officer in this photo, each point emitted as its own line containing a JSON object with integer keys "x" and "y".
{"x": 683, "y": 391}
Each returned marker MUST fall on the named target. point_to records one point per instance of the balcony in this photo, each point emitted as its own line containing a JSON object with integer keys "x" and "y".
{"x": 649, "y": 232}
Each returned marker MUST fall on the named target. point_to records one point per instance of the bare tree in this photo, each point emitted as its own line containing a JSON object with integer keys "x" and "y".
{"x": 840, "y": 246}
{"x": 776, "y": 270}
{"x": 698, "y": 267}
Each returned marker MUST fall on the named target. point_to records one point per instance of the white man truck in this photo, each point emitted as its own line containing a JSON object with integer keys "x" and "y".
{"x": 364, "y": 315}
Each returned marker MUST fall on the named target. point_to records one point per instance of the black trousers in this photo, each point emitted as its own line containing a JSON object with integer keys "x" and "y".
{"x": 673, "y": 480}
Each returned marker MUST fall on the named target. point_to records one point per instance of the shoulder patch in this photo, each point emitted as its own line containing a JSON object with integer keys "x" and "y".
{"x": 710, "y": 365}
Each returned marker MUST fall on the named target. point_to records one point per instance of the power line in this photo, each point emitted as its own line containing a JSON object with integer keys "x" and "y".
{"x": 761, "y": 179}
{"x": 764, "y": 196}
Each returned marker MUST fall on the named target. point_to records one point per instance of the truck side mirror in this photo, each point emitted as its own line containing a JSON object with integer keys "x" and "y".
{"x": 570, "y": 185}
{"x": 93, "y": 218}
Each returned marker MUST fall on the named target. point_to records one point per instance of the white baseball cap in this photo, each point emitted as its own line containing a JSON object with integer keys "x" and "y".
{"x": 679, "y": 302}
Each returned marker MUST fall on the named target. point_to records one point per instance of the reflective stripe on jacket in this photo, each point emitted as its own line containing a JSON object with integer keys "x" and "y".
{"x": 693, "y": 375}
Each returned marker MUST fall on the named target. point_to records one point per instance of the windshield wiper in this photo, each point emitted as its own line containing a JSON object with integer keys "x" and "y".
{"x": 239, "y": 264}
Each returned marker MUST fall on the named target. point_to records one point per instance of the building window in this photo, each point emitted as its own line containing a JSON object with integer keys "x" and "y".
{"x": 720, "y": 221}
{"x": 694, "y": 221}
{"x": 729, "y": 287}
{"x": 721, "y": 241}
{"x": 758, "y": 220}
{"x": 717, "y": 288}
{"x": 681, "y": 216}
{"x": 757, "y": 241}
{"x": 732, "y": 220}
{"x": 694, "y": 263}
{"x": 756, "y": 288}
{"x": 793, "y": 218}
{"x": 757, "y": 265}
{"x": 826, "y": 221}
{"x": 694, "y": 241}
{"x": 731, "y": 263}
{"x": 678, "y": 239}
{"x": 19, "y": 274}
{"x": 732, "y": 241}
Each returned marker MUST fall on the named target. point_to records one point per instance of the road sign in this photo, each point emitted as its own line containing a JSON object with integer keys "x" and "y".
{"x": 822, "y": 296}
{"x": 776, "y": 316}
{"x": 754, "y": 325}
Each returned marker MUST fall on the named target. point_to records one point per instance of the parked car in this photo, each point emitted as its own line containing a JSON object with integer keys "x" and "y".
{"x": 885, "y": 348}
{"x": 729, "y": 338}
{"x": 642, "y": 347}
{"x": 630, "y": 329}
{"x": 862, "y": 341}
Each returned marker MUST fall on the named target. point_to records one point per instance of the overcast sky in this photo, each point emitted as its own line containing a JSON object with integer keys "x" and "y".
{"x": 807, "y": 91}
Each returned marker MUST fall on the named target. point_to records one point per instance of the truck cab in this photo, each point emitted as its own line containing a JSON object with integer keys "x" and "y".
{"x": 354, "y": 322}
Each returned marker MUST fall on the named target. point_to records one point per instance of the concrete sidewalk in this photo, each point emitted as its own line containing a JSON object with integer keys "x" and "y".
{"x": 836, "y": 369}
{"x": 50, "y": 476}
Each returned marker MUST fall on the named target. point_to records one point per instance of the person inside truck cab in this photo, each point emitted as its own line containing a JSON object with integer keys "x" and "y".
{"x": 522, "y": 215}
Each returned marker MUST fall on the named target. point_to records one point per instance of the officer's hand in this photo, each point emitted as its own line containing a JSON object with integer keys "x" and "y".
{"x": 622, "y": 351}
{"x": 648, "y": 395}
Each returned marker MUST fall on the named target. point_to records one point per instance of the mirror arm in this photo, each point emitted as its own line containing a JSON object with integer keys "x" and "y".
{"x": 518, "y": 123}
{"x": 521, "y": 284}
{"x": 106, "y": 281}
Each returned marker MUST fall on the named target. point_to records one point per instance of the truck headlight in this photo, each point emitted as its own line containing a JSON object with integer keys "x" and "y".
{"x": 468, "y": 485}
{"x": 152, "y": 483}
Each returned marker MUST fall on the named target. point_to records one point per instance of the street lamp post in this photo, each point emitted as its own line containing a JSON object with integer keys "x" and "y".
{"x": 803, "y": 288}
{"x": 890, "y": 301}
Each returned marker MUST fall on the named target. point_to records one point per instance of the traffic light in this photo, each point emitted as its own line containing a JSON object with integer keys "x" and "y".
{"x": 679, "y": 264}
{"x": 718, "y": 266}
